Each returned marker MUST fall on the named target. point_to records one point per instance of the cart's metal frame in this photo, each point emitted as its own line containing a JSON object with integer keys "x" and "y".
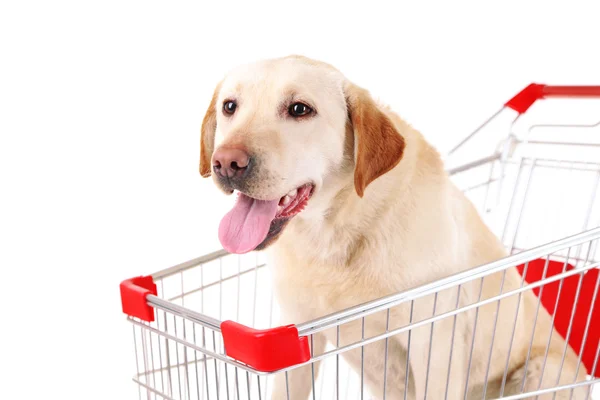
{"x": 180, "y": 353}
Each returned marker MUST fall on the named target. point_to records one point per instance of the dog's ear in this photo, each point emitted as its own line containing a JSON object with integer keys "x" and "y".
{"x": 207, "y": 136}
{"x": 378, "y": 146}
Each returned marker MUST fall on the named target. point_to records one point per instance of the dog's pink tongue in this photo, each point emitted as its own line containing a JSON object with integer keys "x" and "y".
{"x": 245, "y": 227}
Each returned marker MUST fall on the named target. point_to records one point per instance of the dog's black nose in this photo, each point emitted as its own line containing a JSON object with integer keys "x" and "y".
{"x": 230, "y": 162}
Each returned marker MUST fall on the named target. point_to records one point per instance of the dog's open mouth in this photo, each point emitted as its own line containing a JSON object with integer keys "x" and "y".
{"x": 294, "y": 202}
{"x": 252, "y": 221}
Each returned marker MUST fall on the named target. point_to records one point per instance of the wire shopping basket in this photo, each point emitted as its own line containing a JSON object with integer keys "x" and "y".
{"x": 207, "y": 328}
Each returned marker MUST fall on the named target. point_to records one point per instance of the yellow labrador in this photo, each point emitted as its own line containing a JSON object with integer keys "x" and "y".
{"x": 354, "y": 204}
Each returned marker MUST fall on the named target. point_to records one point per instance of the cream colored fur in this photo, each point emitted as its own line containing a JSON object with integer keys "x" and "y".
{"x": 411, "y": 227}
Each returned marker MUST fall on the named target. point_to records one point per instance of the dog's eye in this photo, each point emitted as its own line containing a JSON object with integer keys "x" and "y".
{"x": 299, "y": 110}
{"x": 229, "y": 107}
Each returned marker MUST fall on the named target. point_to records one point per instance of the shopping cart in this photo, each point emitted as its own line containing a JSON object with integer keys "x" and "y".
{"x": 207, "y": 328}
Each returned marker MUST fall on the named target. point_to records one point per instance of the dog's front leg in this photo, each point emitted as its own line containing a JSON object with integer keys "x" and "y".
{"x": 297, "y": 383}
{"x": 436, "y": 351}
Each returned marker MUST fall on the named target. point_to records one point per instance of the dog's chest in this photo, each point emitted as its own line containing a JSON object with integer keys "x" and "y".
{"x": 316, "y": 288}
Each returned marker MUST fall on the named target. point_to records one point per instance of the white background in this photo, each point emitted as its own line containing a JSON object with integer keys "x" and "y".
{"x": 100, "y": 110}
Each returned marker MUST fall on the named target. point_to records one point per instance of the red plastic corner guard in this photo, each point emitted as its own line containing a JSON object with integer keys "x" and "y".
{"x": 535, "y": 91}
{"x": 526, "y": 97}
{"x": 133, "y": 297}
{"x": 265, "y": 350}
{"x": 563, "y": 312}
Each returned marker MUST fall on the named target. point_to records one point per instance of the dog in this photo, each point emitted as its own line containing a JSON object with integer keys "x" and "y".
{"x": 353, "y": 204}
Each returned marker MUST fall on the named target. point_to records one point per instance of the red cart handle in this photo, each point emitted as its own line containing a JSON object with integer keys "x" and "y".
{"x": 535, "y": 91}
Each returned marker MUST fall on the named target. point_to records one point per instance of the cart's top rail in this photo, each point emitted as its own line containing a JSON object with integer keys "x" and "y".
{"x": 535, "y": 91}
{"x": 372, "y": 307}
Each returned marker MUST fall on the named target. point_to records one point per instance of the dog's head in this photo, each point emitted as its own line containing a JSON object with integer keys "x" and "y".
{"x": 276, "y": 130}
